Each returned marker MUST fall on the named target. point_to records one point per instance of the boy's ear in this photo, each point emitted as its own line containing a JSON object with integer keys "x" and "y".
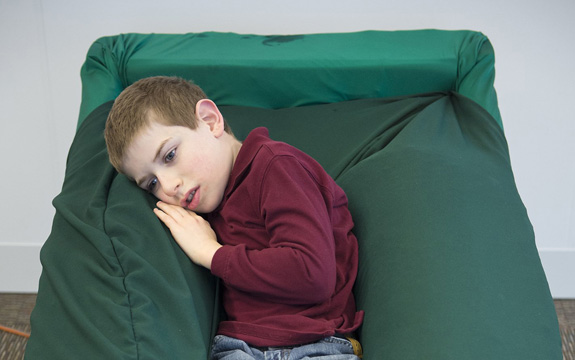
{"x": 208, "y": 112}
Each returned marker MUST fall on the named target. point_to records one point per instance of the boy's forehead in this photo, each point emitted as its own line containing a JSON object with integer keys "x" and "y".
{"x": 150, "y": 139}
{"x": 147, "y": 139}
{"x": 144, "y": 146}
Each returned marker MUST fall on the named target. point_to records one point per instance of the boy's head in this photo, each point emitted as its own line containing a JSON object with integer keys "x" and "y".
{"x": 172, "y": 101}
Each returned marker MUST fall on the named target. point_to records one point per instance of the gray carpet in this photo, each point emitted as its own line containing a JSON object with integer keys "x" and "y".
{"x": 15, "y": 312}
{"x": 566, "y": 316}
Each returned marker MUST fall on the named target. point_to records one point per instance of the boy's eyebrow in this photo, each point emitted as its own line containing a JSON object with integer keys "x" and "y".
{"x": 158, "y": 152}
{"x": 160, "y": 148}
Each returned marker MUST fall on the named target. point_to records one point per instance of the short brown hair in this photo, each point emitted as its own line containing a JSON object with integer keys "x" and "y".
{"x": 171, "y": 99}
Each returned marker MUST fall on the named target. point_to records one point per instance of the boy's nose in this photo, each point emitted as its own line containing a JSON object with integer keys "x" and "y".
{"x": 170, "y": 185}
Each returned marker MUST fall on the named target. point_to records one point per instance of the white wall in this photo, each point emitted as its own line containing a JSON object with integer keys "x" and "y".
{"x": 43, "y": 44}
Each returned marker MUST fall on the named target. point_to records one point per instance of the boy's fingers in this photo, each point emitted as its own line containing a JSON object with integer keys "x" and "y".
{"x": 173, "y": 213}
{"x": 165, "y": 218}
{"x": 168, "y": 219}
{"x": 171, "y": 210}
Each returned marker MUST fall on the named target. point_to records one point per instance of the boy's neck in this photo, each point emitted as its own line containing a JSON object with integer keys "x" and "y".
{"x": 235, "y": 146}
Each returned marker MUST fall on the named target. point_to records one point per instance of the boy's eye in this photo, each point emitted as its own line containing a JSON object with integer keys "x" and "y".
{"x": 152, "y": 185}
{"x": 170, "y": 155}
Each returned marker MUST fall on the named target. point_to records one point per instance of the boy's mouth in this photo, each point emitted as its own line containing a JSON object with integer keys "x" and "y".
{"x": 188, "y": 201}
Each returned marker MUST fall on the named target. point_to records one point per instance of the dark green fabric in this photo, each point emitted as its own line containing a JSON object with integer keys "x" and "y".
{"x": 448, "y": 264}
{"x": 286, "y": 71}
{"x": 114, "y": 285}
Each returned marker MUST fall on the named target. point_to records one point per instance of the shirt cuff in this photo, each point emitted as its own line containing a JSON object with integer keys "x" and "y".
{"x": 220, "y": 261}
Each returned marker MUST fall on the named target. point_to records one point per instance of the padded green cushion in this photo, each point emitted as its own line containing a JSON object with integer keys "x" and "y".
{"x": 276, "y": 72}
{"x": 448, "y": 264}
{"x": 114, "y": 285}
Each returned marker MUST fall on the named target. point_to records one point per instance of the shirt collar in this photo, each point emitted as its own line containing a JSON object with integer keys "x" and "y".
{"x": 250, "y": 147}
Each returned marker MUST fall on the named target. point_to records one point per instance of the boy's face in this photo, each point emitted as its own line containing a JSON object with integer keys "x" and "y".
{"x": 181, "y": 166}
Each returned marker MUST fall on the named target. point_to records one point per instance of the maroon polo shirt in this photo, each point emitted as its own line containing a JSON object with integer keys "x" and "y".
{"x": 289, "y": 259}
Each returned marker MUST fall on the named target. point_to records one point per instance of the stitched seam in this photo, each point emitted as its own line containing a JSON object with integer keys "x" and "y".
{"x": 136, "y": 343}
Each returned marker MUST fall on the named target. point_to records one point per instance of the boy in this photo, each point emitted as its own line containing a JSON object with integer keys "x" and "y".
{"x": 284, "y": 249}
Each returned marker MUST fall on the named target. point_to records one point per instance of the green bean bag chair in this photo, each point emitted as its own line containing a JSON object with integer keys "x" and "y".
{"x": 406, "y": 122}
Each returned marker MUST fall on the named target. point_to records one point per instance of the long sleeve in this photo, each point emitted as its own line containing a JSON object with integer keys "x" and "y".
{"x": 299, "y": 264}
{"x": 289, "y": 258}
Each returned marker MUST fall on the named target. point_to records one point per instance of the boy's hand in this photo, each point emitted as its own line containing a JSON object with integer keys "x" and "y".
{"x": 194, "y": 234}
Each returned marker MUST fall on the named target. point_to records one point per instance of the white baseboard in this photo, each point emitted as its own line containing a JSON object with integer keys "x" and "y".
{"x": 20, "y": 269}
{"x": 559, "y": 265}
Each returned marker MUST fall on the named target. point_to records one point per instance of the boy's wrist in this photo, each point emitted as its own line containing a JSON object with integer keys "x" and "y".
{"x": 209, "y": 256}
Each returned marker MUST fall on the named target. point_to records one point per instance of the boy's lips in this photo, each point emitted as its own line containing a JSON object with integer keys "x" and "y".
{"x": 192, "y": 199}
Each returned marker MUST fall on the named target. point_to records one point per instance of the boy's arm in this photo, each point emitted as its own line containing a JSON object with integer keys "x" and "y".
{"x": 299, "y": 266}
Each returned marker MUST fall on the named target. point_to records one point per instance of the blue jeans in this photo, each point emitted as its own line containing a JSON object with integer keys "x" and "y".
{"x": 331, "y": 348}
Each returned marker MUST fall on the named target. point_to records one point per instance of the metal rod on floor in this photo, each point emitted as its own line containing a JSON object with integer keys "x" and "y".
{"x": 14, "y": 331}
